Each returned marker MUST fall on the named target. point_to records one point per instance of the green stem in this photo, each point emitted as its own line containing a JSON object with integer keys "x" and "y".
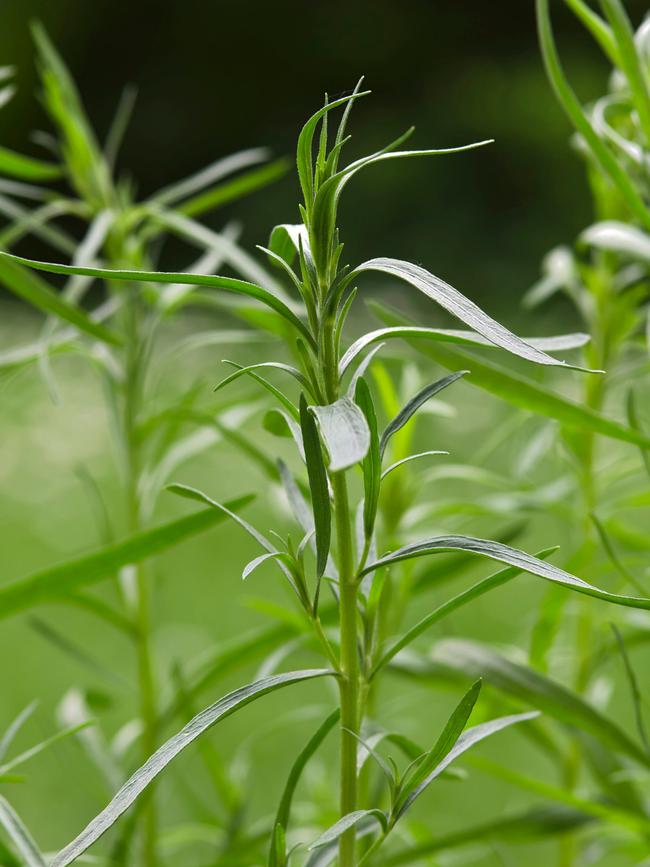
{"x": 349, "y": 665}
{"x": 134, "y": 375}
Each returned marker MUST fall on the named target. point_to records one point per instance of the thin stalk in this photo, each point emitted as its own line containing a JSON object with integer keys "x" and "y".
{"x": 133, "y": 379}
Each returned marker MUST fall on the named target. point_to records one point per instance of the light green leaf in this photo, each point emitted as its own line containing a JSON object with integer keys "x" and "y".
{"x": 344, "y": 431}
{"x": 448, "y": 335}
{"x": 284, "y": 807}
{"x": 346, "y": 822}
{"x": 134, "y": 787}
{"x": 372, "y": 461}
{"x": 27, "y": 168}
{"x": 503, "y": 576}
{"x": 465, "y": 742}
{"x": 460, "y": 307}
{"x": 520, "y": 391}
{"x": 418, "y": 779}
{"x": 35, "y": 291}
{"x": 227, "y": 284}
{"x": 472, "y": 659}
{"x": 504, "y": 554}
{"x": 414, "y": 405}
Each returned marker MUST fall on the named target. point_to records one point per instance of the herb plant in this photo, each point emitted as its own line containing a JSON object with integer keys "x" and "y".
{"x": 355, "y": 567}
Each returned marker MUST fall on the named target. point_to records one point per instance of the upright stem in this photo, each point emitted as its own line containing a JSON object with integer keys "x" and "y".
{"x": 146, "y": 680}
{"x": 349, "y": 680}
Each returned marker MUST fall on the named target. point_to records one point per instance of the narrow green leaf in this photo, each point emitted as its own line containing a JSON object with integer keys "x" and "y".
{"x": 465, "y": 742}
{"x": 35, "y": 291}
{"x": 20, "y": 836}
{"x": 503, "y": 576}
{"x": 284, "y": 807}
{"x": 304, "y": 157}
{"x": 505, "y": 554}
{"x": 449, "y": 335}
{"x": 318, "y": 485}
{"x": 520, "y": 391}
{"x": 137, "y": 783}
{"x": 462, "y": 308}
{"x": 229, "y": 191}
{"x": 27, "y": 168}
{"x": 14, "y": 728}
{"x": 576, "y": 115}
{"x": 228, "y": 284}
{"x": 25, "y": 756}
{"x": 415, "y": 783}
{"x": 597, "y": 27}
{"x": 346, "y": 822}
{"x": 634, "y": 689}
{"x": 414, "y": 405}
{"x": 57, "y": 581}
{"x": 344, "y": 431}
{"x": 409, "y": 458}
{"x": 630, "y": 61}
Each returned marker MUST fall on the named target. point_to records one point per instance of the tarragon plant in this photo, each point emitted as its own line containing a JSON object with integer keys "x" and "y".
{"x": 349, "y": 562}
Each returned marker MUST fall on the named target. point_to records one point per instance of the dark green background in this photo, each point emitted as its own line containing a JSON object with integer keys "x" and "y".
{"x": 215, "y": 77}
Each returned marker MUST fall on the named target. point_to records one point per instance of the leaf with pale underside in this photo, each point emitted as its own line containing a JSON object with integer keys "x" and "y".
{"x": 145, "y": 775}
{"x": 504, "y": 554}
{"x": 461, "y": 307}
{"x": 344, "y": 431}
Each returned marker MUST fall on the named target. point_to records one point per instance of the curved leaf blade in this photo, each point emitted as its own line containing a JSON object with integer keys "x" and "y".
{"x": 505, "y": 554}
{"x": 461, "y": 307}
{"x": 203, "y": 721}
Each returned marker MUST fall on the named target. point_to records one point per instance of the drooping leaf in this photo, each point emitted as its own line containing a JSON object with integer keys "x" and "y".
{"x": 520, "y": 391}
{"x": 597, "y": 27}
{"x": 318, "y": 485}
{"x": 504, "y": 554}
{"x": 630, "y": 62}
{"x": 460, "y": 307}
{"x": 344, "y": 431}
{"x": 137, "y": 783}
{"x": 57, "y": 581}
{"x": 227, "y": 284}
{"x": 37, "y": 293}
{"x": 410, "y": 458}
{"x": 448, "y": 335}
{"x": 503, "y": 576}
{"x": 414, "y": 405}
